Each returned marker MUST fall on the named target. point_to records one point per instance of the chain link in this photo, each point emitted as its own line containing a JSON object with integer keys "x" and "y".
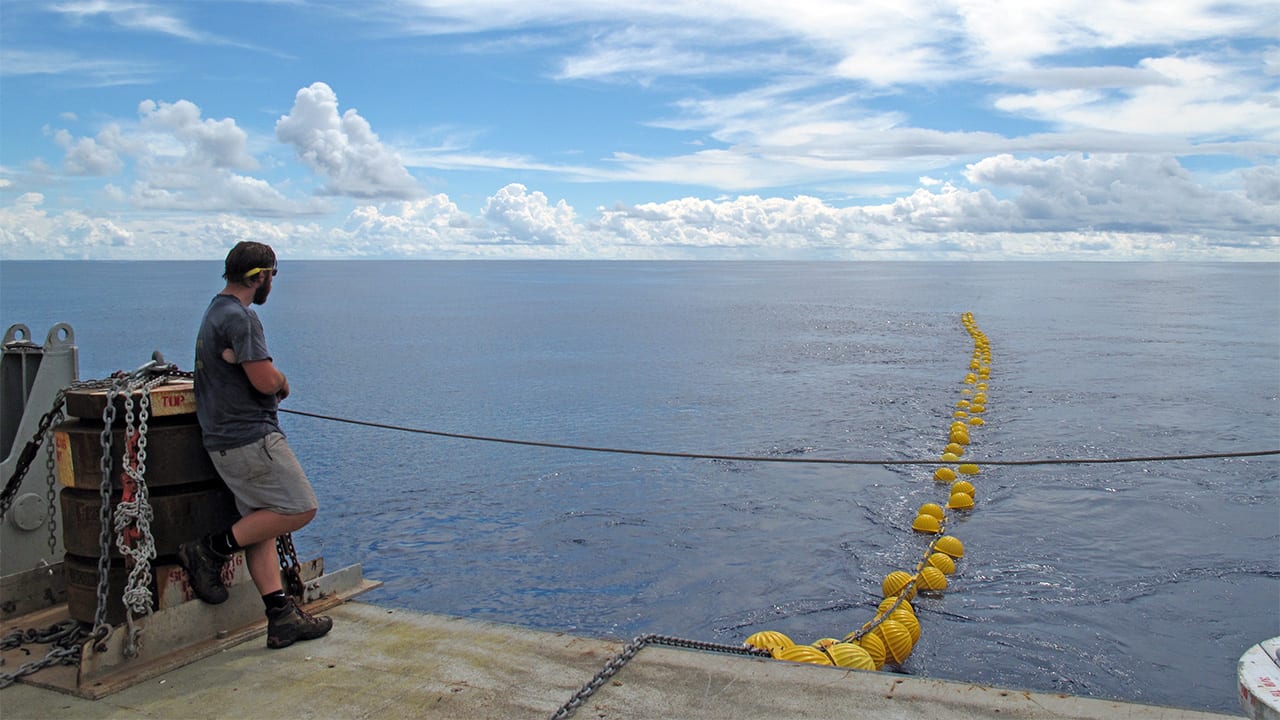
{"x": 29, "y": 454}
{"x": 65, "y": 638}
{"x": 51, "y": 493}
{"x": 126, "y": 514}
{"x": 133, "y": 515}
{"x": 629, "y": 651}
{"x": 289, "y": 567}
{"x": 100, "y": 627}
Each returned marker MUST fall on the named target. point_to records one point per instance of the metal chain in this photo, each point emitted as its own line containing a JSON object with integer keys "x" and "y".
{"x": 28, "y": 454}
{"x": 120, "y": 383}
{"x": 629, "y": 651}
{"x": 51, "y": 493}
{"x": 125, "y": 512}
{"x": 289, "y": 566}
{"x": 65, "y": 637}
{"x": 100, "y": 627}
{"x": 133, "y": 516}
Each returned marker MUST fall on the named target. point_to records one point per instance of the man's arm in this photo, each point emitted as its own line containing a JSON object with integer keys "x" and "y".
{"x": 266, "y": 379}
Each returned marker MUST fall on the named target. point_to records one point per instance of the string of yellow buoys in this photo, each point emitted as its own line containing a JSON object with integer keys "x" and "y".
{"x": 893, "y": 633}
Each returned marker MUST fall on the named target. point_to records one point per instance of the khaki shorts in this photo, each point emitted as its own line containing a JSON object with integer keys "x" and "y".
{"x": 265, "y": 475}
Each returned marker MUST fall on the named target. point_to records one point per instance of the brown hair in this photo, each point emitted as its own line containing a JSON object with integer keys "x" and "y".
{"x": 246, "y": 256}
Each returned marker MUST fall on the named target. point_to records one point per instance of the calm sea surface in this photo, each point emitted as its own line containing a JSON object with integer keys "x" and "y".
{"x": 1141, "y": 581}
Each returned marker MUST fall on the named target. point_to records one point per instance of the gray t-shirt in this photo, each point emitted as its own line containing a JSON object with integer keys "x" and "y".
{"x": 231, "y": 411}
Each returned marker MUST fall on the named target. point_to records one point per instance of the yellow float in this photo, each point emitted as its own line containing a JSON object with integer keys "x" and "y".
{"x": 931, "y": 578}
{"x": 769, "y": 640}
{"x": 874, "y": 647}
{"x": 888, "y": 602}
{"x": 908, "y": 621}
{"x": 933, "y": 509}
{"x": 803, "y": 654}
{"x": 895, "y": 582}
{"x": 852, "y": 656}
{"x": 943, "y": 562}
{"x": 950, "y": 545}
{"x": 897, "y": 640}
{"x": 926, "y": 524}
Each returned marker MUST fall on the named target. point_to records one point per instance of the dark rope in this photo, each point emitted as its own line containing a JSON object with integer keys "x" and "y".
{"x": 775, "y": 458}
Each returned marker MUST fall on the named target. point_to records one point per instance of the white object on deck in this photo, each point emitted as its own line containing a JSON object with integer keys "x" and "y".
{"x": 1259, "y": 674}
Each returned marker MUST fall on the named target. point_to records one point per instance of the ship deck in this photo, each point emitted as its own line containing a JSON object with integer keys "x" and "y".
{"x": 389, "y": 663}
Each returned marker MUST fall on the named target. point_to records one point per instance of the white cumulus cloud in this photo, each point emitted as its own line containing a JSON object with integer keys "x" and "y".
{"x": 203, "y": 142}
{"x": 1122, "y": 191}
{"x": 173, "y": 158}
{"x": 343, "y": 148}
{"x": 1262, "y": 184}
{"x": 90, "y": 156}
{"x": 529, "y": 218}
{"x": 27, "y": 230}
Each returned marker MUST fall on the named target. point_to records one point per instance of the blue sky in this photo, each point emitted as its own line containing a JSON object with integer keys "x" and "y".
{"x": 953, "y": 129}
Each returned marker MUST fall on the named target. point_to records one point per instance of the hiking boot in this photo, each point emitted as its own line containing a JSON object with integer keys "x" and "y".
{"x": 290, "y": 624}
{"x": 204, "y": 570}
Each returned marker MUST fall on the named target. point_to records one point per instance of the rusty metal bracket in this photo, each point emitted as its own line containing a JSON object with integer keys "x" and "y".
{"x": 190, "y": 631}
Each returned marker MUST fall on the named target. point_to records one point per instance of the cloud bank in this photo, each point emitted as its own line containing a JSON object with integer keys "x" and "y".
{"x": 810, "y": 129}
{"x": 1071, "y": 206}
{"x": 1074, "y": 205}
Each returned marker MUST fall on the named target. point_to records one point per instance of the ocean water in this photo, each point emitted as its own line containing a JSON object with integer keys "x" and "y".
{"x": 1142, "y": 581}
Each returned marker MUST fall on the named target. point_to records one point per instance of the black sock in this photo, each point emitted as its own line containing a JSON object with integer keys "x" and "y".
{"x": 275, "y": 601}
{"x": 223, "y": 543}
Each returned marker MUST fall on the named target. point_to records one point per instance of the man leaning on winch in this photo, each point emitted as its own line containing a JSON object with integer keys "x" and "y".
{"x": 238, "y": 390}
